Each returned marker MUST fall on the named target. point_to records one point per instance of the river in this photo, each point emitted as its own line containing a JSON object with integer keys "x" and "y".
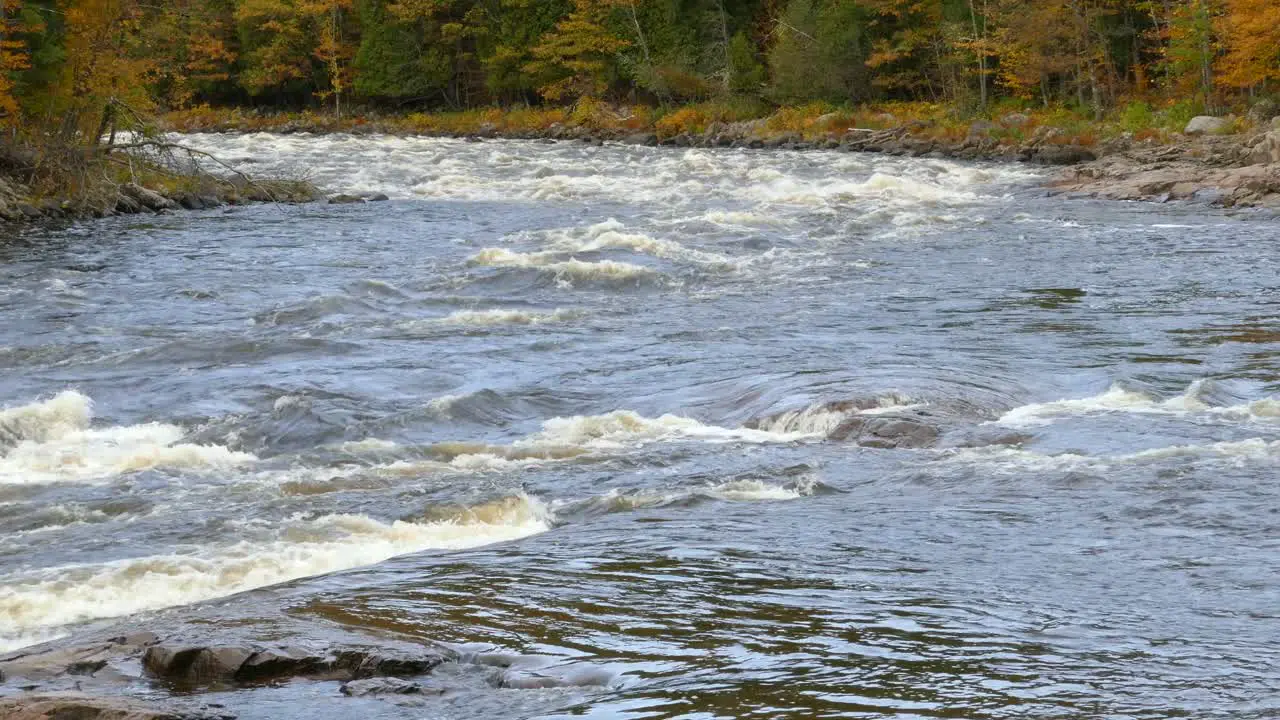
{"x": 576, "y": 405}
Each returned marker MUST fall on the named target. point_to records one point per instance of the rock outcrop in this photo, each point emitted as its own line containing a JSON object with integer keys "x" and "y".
{"x": 231, "y": 664}
{"x": 75, "y": 706}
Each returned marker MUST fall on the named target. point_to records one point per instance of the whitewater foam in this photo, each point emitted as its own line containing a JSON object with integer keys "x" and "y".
{"x": 37, "y": 603}
{"x": 1253, "y": 449}
{"x": 487, "y": 318}
{"x": 1117, "y": 399}
{"x": 52, "y": 441}
{"x": 821, "y": 419}
{"x": 623, "y": 428}
{"x": 568, "y": 270}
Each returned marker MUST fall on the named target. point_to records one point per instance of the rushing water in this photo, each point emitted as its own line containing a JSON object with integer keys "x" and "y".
{"x": 519, "y": 406}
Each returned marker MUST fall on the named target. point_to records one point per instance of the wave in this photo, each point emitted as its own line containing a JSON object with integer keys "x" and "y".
{"x": 485, "y": 318}
{"x": 1239, "y": 450}
{"x": 39, "y": 602}
{"x": 624, "y": 428}
{"x": 740, "y": 218}
{"x": 823, "y": 419}
{"x": 52, "y": 441}
{"x": 1119, "y": 399}
{"x": 564, "y": 270}
{"x": 610, "y": 235}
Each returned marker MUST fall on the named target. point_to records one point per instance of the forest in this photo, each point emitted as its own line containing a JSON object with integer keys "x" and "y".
{"x": 78, "y": 67}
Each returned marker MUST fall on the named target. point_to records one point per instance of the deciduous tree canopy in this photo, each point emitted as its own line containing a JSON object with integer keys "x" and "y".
{"x": 67, "y": 65}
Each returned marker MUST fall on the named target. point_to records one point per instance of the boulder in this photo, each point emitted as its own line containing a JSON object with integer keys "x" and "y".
{"x": 1267, "y": 149}
{"x": 195, "y": 665}
{"x": 1263, "y": 111}
{"x": 1207, "y": 125}
{"x": 344, "y": 199}
{"x": 202, "y": 665}
{"x": 364, "y": 664}
{"x": 646, "y": 139}
{"x": 887, "y": 431}
{"x": 378, "y": 197}
{"x": 1015, "y": 120}
{"x": 148, "y": 199}
{"x": 279, "y": 663}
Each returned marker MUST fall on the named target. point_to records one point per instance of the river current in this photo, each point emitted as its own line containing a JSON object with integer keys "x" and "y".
{"x": 574, "y": 406}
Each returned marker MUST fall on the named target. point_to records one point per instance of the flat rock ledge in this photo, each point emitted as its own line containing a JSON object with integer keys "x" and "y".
{"x": 1233, "y": 171}
{"x": 194, "y": 665}
{"x": 77, "y": 706}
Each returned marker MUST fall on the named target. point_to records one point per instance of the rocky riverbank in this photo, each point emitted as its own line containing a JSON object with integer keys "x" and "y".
{"x": 18, "y": 204}
{"x": 1230, "y": 171}
{"x": 182, "y": 677}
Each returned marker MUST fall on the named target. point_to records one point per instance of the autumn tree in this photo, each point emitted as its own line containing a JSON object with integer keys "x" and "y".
{"x": 14, "y": 57}
{"x": 576, "y": 58}
{"x": 1250, "y": 30}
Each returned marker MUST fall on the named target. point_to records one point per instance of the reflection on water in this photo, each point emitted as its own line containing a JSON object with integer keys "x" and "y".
{"x": 650, "y": 433}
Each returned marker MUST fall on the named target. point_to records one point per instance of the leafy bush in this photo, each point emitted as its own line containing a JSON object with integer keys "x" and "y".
{"x": 1137, "y": 116}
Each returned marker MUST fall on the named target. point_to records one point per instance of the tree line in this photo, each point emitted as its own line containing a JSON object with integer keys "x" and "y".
{"x": 78, "y": 66}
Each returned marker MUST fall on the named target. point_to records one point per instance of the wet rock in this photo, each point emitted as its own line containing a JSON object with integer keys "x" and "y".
{"x": 201, "y": 665}
{"x": 83, "y": 707}
{"x": 887, "y": 432}
{"x": 87, "y": 667}
{"x": 195, "y": 665}
{"x": 52, "y": 661}
{"x": 126, "y": 205}
{"x": 380, "y": 686}
{"x": 279, "y": 663}
{"x": 190, "y": 201}
{"x": 378, "y": 197}
{"x": 1207, "y": 125}
{"x": 344, "y": 199}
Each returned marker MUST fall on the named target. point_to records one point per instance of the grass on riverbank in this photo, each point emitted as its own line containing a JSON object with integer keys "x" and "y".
{"x": 1008, "y": 124}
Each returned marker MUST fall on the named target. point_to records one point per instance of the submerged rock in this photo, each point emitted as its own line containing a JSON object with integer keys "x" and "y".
{"x": 380, "y": 686}
{"x": 83, "y": 707}
{"x": 887, "y": 431}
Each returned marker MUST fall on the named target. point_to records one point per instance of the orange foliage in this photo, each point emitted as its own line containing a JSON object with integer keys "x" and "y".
{"x": 1251, "y": 35}
{"x": 13, "y": 57}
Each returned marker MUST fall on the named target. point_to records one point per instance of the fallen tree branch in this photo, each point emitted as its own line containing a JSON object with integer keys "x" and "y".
{"x": 192, "y": 155}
